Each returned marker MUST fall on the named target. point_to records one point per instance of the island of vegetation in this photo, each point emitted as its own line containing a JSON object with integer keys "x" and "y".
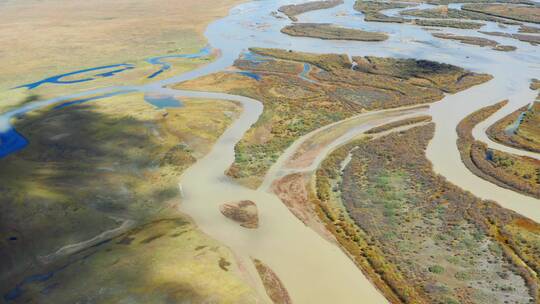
{"x": 521, "y": 129}
{"x": 444, "y": 12}
{"x": 441, "y": 16}
{"x": 293, "y": 10}
{"x": 244, "y": 213}
{"x": 448, "y": 23}
{"x": 525, "y": 13}
{"x": 275, "y": 289}
{"x": 532, "y": 39}
{"x": 446, "y": 2}
{"x": 518, "y": 173}
{"x": 505, "y": 48}
{"x": 476, "y": 41}
{"x": 535, "y": 84}
{"x": 372, "y": 10}
{"x": 380, "y": 196}
{"x": 332, "y": 32}
{"x": 399, "y": 123}
{"x": 529, "y": 29}
{"x": 296, "y": 102}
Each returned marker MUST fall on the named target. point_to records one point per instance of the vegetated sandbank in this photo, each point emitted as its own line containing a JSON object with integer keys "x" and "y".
{"x": 518, "y": 173}
{"x": 475, "y": 41}
{"x": 445, "y": 17}
{"x": 293, "y": 106}
{"x": 526, "y": 13}
{"x": 372, "y": 10}
{"x": 441, "y": 16}
{"x": 381, "y": 196}
{"x": 520, "y": 129}
{"x": 273, "y": 285}
{"x": 293, "y": 10}
{"x": 448, "y": 23}
{"x": 529, "y": 29}
{"x": 467, "y": 39}
{"x": 532, "y": 39}
{"x": 399, "y": 123}
{"x": 444, "y": 12}
{"x": 331, "y": 32}
{"x": 446, "y": 2}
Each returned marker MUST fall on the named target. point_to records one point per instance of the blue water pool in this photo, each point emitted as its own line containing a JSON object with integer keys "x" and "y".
{"x": 255, "y": 58}
{"x": 163, "y": 101}
{"x": 165, "y": 65}
{"x": 11, "y": 141}
{"x": 250, "y": 75}
{"x": 512, "y": 129}
{"x": 304, "y": 73}
{"x": 110, "y": 70}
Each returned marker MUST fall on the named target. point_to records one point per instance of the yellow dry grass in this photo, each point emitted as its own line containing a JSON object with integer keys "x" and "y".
{"x": 45, "y": 38}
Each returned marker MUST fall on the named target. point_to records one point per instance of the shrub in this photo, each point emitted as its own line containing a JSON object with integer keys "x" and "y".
{"x": 438, "y": 269}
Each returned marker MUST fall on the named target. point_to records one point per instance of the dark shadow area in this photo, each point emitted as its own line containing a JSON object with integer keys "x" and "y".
{"x": 109, "y": 271}
{"x": 83, "y": 172}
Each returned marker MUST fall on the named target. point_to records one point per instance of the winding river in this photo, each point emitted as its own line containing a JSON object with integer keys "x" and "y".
{"x": 313, "y": 269}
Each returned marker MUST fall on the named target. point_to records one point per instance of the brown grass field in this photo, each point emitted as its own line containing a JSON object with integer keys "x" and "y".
{"x": 57, "y": 36}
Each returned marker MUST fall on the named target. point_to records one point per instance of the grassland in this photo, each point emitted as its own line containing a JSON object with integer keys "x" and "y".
{"x": 444, "y": 2}
{"x": 113, "y": 32}
{"x": 518, "y": 173}
{"x": 505, "y": 48}
{"x": 372, "y": 10}
{"x": 515, "y": 12}
{"x": 91, "y": 167}
{"x": 445, "y": 16}
{"x": 467, "y": 39}
{"x": 448, "y": 23}
{"x": 380, "y": 197}
{"x": 443, "y": 12}
{"x": 163, "y": 261}
{"x": 479, "y": 41}
{"x": 294, "y": 106}
{"x": 331, "y": 32}
{"x": 535, "y": 84}
{"x": 293, "y": 10}
{"x": 532, "y": 39}
{"x": 526, "y": 135}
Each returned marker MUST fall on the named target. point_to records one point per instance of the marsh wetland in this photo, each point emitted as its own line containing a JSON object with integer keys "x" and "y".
{"x": 312, "y": 152}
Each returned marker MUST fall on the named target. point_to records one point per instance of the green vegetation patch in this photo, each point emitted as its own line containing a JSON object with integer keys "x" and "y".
{"x": 91, "y": 168}
{"x": 328, "y": 31}
{"x": 372, "y": 10}
{"x": 297, "y": 102}
{"x": 388, "y": 200}
{"x": 443, "y": 12}
{"x": 518, "y": 173}
{"x": 293, "y": 10}
{"x": 526, "y": 13}
{"x": 182, "y": 265}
